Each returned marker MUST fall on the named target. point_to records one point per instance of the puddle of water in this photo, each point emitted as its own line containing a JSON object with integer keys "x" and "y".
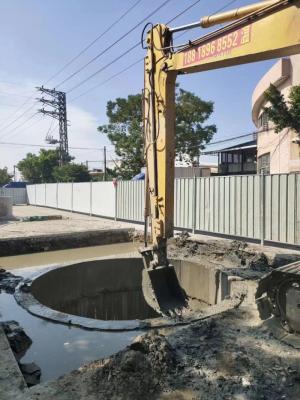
{"x": 51, "y": 257}
{"x": 58, "y": 349}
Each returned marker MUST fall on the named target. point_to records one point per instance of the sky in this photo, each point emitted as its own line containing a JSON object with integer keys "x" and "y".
{"x": 38, "y": 38}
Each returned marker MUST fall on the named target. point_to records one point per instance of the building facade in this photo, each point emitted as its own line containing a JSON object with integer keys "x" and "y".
{"x": 276, "y": 153}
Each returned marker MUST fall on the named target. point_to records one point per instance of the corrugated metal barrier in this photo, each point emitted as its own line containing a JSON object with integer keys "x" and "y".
{"x": 250, "y": 206}
{"x": 19, "y": 195}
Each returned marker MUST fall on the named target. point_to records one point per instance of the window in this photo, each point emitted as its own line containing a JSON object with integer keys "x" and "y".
{"x": 264, "y": 164}
{"x": 263, "y": 121}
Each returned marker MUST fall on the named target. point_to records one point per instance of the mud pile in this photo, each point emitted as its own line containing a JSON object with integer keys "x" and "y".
{"x": 236, "y": 257}
{"x": 137, "y": 373}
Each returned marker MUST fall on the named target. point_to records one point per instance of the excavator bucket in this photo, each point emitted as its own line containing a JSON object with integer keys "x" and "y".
{"x": 162, "y": 290}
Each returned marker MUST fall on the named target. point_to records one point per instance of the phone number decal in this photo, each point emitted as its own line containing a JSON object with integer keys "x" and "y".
{"x": 218, "y": 47}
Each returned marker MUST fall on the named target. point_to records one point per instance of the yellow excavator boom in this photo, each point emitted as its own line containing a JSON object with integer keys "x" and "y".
{"x": 264, "y": 30}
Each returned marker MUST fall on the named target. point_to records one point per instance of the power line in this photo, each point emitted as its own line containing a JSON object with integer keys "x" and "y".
{"x": 20, "y": 116}
{"x": 224, "y": 7}
{"x": 215, "y": 12}
{"x": 18, "y": 126}
{"x": 49, "y": 146}
{"x": 94, "y": 41}
{"x": 66, "y": 65}
{"x": 183, "y": 11}
{"x": 128, "y": 51}
{"x": 104, "y": 67}
{"x": 114, "y": 43}
{"x": 8, "y": 105}
{"x": 250, "y": 134}
{"x": 97, "y": 56}
{"x": 116, "y": 59}
{"x": 109, "y": 79}
{"x": 13, "y": 94}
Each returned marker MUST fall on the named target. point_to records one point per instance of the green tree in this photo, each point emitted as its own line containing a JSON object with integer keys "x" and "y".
{"x": 124, "y": 129}
{"x": 125, "y": 132}
{"x": 191, "y": 114}
{"x": 5, "y": 177}
{"x": 71, "y": 173}
{"x": 38, "y": 168}
{"x": 284, "y": 113}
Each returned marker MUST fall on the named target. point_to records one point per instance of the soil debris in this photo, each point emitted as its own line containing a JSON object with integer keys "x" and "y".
{"x": 8, "y": 281}
{"x": 236, "y": 257}
{"x": 229, "y": 356}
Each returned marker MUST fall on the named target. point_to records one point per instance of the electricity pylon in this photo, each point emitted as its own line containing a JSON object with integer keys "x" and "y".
{"x": 57, "y": 101}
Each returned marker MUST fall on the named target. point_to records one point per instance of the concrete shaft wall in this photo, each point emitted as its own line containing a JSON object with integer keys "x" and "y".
{"x": 112, "y": 289}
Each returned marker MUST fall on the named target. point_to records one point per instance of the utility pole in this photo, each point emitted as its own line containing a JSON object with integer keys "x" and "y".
{"x": 104, "y": 163}
{"x": 58, "y": 102}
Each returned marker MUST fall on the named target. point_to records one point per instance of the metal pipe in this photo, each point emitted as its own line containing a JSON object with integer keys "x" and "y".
{"x": 227, "y": 16}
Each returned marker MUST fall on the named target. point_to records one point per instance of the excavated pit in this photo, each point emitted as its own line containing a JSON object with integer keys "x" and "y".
{"x": 107, "y": 290}
{"x": 107, "y": 293}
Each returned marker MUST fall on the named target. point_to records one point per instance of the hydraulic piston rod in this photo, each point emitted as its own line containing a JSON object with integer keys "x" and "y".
{"x": 227, "y": 16}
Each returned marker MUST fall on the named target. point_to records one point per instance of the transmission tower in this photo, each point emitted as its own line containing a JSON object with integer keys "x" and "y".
{"x": 57, "y": 101}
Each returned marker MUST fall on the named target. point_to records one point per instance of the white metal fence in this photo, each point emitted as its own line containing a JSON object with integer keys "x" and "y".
{"x": 19, "y": 195}
{"x": 97, "y": 198}
{"x": 250, "y": 206}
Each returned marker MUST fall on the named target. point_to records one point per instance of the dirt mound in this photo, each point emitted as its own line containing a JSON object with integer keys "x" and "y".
{"x": 234, "y": 255}
{"x": 138, "y": 372}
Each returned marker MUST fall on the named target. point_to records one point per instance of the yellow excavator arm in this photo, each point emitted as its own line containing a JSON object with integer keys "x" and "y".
{"x": 260, "y": 31}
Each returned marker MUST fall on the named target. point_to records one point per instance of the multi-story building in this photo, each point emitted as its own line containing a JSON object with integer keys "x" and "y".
{"x": 277, "y": 153}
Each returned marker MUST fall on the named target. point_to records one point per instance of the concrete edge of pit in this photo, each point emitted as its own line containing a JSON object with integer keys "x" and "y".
{"x": 26, "y": 300}
{"x": 62, "y": 241}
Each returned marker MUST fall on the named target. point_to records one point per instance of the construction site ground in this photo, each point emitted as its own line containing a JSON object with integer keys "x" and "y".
{"x": 232, "y": 355}
{"x": 70, "y": 223}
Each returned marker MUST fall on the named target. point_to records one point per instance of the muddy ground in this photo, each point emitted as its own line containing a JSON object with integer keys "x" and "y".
{"x": 236, "y": 257}
{"x": 233, "y": 355}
